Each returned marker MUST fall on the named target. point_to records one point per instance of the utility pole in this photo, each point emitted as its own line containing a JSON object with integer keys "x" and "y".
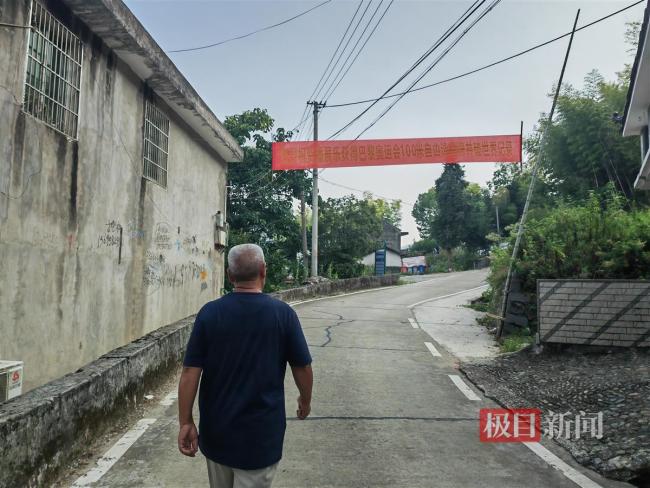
{"x": 498, "y": 226}
{"x": 314, "y": 204}
{"x": 540, "y": 157}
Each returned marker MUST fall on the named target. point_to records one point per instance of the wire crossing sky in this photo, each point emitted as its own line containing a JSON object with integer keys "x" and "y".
{"x": 472, "y": 91}
{"x": 243, "y": 36}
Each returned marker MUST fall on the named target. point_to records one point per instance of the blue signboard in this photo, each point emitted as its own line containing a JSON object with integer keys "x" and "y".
{"x": 380, "y": 262}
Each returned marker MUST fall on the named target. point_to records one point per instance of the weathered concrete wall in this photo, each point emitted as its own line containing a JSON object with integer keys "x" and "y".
{"x": 44, "y": 429}
{"x": 594, "y": 313}
{"x": 47, "y": 427}
{"x": 71, "y": 289}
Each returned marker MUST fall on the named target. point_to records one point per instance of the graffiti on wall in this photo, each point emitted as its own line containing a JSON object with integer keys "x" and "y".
{"x": 176, "y": 261}
{"x": 158, "y": 273}
{"x": 111, "y": 235}
{"x": 161, "y": 236}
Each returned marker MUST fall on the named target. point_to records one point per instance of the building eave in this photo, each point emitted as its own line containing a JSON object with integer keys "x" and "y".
{"x": 120, "y": 30}
{"x": 638, "y": 97}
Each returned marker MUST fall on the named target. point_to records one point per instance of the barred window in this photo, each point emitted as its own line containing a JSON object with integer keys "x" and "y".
{"x": 53, "y": 73}
{"x": 156, "y": 140}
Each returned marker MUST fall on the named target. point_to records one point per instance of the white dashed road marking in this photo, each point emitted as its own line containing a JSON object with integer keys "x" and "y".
{"x": 464, "y": 389}
{"x": 414, "y": 323}
{"x": 114, "y": 454}
{"x": 432, "y": 349}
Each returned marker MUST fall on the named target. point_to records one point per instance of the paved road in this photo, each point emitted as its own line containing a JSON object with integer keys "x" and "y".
{"x": 386, "y": 412}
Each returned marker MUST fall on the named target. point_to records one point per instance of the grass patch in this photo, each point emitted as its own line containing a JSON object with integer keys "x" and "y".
{"x": 515, "y": 342}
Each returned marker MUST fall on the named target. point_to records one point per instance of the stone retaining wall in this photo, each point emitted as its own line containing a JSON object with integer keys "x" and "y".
{"x": 594, "y": 312}
{"x": 336, "y": 286}
{"x": 42, "y": 430}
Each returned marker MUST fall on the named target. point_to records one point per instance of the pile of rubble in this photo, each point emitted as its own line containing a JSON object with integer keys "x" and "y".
{"x": 616, "y": 383}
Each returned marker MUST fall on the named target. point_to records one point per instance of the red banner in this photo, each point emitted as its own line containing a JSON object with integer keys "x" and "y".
{"x": 381, "y": 152}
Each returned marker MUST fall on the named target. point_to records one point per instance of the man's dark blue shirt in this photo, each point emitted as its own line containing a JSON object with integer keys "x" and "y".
{"x": 243, "y": 342}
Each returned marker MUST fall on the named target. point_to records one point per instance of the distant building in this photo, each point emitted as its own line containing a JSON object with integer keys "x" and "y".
{"x": 391, "y": 240}
{"x": 637, "y": 109}
{"x": 112, "y": 185}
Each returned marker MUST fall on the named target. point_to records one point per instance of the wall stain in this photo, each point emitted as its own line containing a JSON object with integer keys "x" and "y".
{"x": 19, "y": 151}
{"x": 74, "y": 175}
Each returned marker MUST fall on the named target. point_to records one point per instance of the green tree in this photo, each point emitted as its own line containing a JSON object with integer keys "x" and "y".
{"x": 479, "y": 217}
{"x": 260, "y": 201}
{"x": 424, "y": 212}
{"x": 349, "y": 229}
{"x": 585, "y": 149}
{"x": 390, "y": 211}
{"x": 423, "y": 246}
{"x": 449, "y": 222}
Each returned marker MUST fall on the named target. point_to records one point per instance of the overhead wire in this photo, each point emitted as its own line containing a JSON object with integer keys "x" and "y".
{"x": 490, "y": 65}
{"x": 257, "y": 31}
{"x": 332, "y": 87}
{"x": 343, "y": 37}
{"x": 433, "y": 64}
{"x": 366, "y": 191}
{"x": 457, "y": 23}
{"x": 317, "y": 94}
{"x": 329, "y": 64}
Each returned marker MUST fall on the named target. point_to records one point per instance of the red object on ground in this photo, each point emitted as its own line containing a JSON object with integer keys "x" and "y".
{"x": 382, "y": 152}
{"x": 510, "y": 425}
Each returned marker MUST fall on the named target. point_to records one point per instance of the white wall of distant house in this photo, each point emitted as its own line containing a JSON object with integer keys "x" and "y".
{"x": 393, "y": 259}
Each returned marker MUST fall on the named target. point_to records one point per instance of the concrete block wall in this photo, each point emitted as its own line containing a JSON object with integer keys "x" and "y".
{"x": 594, "y": 312}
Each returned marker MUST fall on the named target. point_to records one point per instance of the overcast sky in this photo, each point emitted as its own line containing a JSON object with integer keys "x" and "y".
{"x": 278, "y": 70}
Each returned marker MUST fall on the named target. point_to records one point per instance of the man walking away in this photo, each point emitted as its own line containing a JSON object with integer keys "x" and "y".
{"x": 239, "y": 348}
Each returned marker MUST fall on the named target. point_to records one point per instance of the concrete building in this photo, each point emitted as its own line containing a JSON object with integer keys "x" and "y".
{"x": 391, "y": 240}
{"x": 637, "y": 109}
{"x": 112, "y": 185}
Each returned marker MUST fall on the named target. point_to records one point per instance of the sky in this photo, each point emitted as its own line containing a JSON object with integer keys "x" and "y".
{"x": 278, "y": 70}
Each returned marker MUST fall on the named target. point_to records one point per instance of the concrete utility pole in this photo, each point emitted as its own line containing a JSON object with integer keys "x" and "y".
{"x": 314, "y": 205}
{"x": 540, "y": 157}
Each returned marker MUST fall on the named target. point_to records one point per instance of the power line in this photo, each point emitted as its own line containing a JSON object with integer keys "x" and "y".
{"x": 367, "y": 191}
{"x": 305, "y": 113}
{"x": 332, "y": 88}
{"x": 347, "y": 43}
{"x": 432, "y": 65}
{"x": 495, "y": 63}
{"x": 268, "y": 27}
{"x": 329, "y": 64}
{"x": 461, "y": 20}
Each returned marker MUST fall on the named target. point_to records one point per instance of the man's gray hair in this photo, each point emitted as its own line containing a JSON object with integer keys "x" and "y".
{"x": 245, "y": 261}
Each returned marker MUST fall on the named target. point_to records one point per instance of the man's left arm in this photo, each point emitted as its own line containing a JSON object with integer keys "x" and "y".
{"x": 188, "y": 436}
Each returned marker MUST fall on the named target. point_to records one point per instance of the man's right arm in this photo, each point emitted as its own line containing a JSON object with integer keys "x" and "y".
{"x": 304, "y": 379}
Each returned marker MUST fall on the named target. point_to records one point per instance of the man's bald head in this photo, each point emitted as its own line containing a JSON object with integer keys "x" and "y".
{"x": 246, "y": 263}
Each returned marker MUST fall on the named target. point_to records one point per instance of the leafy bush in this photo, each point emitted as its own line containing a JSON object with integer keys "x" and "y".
{"x": 595, "y": 239}
{"x": 462, "y": 259}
